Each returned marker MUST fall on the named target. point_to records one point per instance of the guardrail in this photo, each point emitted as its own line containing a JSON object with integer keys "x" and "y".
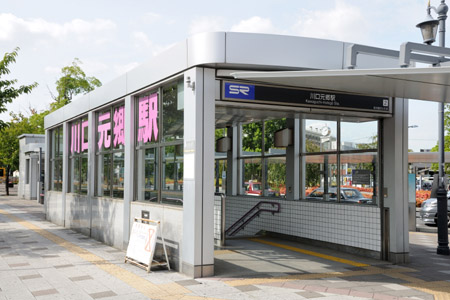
{"x": 254, "y": 212}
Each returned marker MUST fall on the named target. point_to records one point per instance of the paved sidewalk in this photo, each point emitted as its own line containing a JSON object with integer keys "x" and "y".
{"x": 39, "y": 260}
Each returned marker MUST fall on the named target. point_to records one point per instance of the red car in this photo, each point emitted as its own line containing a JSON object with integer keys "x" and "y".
{"x": 253, "y": 188}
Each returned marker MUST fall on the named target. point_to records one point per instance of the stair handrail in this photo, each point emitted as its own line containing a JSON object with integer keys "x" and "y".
{"x": 232, "y": 230}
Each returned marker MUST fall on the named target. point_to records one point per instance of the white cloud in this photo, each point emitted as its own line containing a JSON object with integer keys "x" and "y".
{"x": 255, "y": 24}
{"x": 13, "y": 26}
{"x": 207, "y": 24}
{"x": 344, "y": 22}
{"x": 141, "y": 40}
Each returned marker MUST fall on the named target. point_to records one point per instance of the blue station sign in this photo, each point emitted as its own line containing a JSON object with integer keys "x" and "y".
{"x": 273, "y": 95}
{"x": 239, "y": 91}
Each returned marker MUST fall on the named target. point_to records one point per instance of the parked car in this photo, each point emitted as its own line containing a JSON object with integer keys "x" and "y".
{"x": 428, "y": 211}
{"x": 254, "y": 188}
{"x": 347, "y": 195}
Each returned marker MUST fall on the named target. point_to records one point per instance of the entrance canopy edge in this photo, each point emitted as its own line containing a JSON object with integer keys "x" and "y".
{"x": 430, "y": 84}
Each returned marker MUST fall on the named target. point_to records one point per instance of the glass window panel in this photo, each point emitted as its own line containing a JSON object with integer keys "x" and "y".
{"x": 270, "y": 128}
{"x": 54, "y": 175}
{"x": 84, "y": 174}
{"x": 359, "y": 175}
{"x": 173, "y": 113}
{"x": 172, "y": 174}
{"x": 252, "y": 139}
{"x": 55, "y": 143}
{"x": 118, "y": 174}
{"x": 359, "y": 135}
{"x": 74, "y": 166}
{"x": 321, "y": 177}
{"x": 147, "y": 175}
{"x": 84, "y": 135}
{"x": 276, "y": 177}
{"x": 320, "y": 136}
{"x": 252, "y": 169}
{"x": 220, "y": 178}
{"x": 60, "y": 141}
{"x": 104, "y": 176}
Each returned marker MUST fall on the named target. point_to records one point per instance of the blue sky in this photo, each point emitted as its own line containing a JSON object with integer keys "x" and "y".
{"x": 112, "y": 37}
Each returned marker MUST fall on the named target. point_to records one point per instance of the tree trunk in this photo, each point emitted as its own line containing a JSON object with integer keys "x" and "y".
{"x": 7, "y": 181}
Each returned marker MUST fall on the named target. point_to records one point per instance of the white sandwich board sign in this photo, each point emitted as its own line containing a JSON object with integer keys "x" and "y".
{"x": 142, "y": 243}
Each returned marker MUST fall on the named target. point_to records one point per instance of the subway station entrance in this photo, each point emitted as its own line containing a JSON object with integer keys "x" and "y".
{"x": 299, "y": 164}
{"x": 231, "y": 135}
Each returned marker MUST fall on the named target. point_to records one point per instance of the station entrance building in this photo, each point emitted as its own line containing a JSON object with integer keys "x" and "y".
{"x": 196, "y": 140}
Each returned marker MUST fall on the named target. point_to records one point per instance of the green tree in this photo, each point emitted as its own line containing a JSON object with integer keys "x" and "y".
{"x": 434, "y": 166}
{"x": 8, "y": 91}
{"x": 72, "y": 82}
{"x": 313, "y": 172}
{"x": 9, "y": 147}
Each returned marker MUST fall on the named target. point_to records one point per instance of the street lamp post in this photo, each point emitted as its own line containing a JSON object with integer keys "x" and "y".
{"x": 429, "y": 28}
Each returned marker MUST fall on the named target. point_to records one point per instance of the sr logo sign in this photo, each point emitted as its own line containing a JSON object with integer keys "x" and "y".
{"x": 239, "y": 91}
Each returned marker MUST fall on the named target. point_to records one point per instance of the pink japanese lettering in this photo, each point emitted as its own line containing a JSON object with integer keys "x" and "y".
{"x": 77, "y": 130}
{"x": 84, "y": 145}
{"x": 103, "y": 130}
{"x": 119, "y": 136}
{"x": 148, "y": 114}
{"x": 74, "y": 139}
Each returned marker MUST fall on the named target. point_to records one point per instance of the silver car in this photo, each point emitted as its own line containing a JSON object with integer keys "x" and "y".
{"x": 347, "y": 195}
{"x": 428, "y": 211}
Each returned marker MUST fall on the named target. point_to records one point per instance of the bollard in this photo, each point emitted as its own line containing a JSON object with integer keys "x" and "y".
{"x": 442, "y": 222}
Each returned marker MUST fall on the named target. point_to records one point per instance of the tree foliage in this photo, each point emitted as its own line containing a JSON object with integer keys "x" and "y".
{"x": 9, "y": 147}
{"x": 434, "y": 166}
{"x": 73, "y": 82}
{"x": 8, "y": 91}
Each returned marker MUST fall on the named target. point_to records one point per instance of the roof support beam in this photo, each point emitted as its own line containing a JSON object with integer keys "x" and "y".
{"x": 405, "y": 55}
{"x": 434, "y": 55}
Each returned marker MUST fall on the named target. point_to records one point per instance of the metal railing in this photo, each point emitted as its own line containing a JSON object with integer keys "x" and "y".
{"x": 254, "y": 212}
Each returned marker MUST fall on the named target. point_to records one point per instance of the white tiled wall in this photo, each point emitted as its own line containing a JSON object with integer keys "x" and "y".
{"x": 217, "y": 217}
{"x": 351, "y": 225}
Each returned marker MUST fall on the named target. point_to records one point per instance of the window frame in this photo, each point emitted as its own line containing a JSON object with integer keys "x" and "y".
{"x": 263, "y": 156}
{"x": 56, "y": 159}
{"x": 339, "y": 153}
{"x": 83, "y": 154}
{"x": 111, "y": 151}
{"x": 159, "y": 144}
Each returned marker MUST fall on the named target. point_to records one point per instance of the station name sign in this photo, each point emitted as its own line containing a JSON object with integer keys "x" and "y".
{"x": 236, "y": 91}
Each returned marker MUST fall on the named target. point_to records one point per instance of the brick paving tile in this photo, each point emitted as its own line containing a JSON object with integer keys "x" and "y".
{"x": 309, "y": 295}
{"x": 44, "y": 292}
{"x": 39, "y": 249}
{"x": 25, "y": 277}
{"x": 80, "y": 278}
{"x": 338, "y": 291}
{"x": 384, "y": 297}
{"x": 63, "y": 266}
{"x": 187, "y": 282}
{"x": 294, "y": 285}
{"x": 103, "y": 294}
{"x": 247, "y": 288}
{"x": 18, "y": 265}
{"x": 277, "y": 284}
{"x": 361, "y": 294}
{"x": 315, "y": 288}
